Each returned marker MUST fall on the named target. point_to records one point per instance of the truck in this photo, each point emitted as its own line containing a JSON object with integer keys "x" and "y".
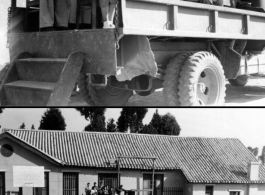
{"x": 180, "y": 46}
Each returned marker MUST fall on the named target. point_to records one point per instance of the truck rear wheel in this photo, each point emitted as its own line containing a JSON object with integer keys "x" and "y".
{"x": 239, "y": 81}
{"x": 202, "y": 81}
{"x": 104, "y": 96}
{"x": 171, "y": 78}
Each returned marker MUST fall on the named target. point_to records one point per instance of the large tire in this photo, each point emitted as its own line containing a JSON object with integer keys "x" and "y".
{"x": 239, "y": 81}
{"x": 171, "y": 78}
{"x": 202, "y": 81}
{"x": 103, "y": 96}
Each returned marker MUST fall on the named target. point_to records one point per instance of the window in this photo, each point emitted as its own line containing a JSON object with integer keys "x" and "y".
{"x": 45, "y": 189}
{"x": 108, "y": 179}
{"x": 234, "y": 193}
{"x": 2, "y": 183}
{"x": 208, "y": 190}
{"x": 70, "y": 183}
{"x": 6, "y": 150}
{"x": 159, "y": 183}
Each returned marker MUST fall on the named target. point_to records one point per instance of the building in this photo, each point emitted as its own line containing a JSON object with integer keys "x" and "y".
{"x": 184, "y": 165}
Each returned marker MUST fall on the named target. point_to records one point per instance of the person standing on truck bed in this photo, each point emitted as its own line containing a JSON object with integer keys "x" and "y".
{"x": 108, "y": 12}
{"x": 57, "y": 13}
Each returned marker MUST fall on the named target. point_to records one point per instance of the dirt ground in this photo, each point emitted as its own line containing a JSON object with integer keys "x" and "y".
{"x": 253, "y": 94}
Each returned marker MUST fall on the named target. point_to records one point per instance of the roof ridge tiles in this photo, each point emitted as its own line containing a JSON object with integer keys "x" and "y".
{"x": 121, "y": 133}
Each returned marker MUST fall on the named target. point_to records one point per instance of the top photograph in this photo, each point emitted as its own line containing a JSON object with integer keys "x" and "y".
{"x": 175, "y": 53}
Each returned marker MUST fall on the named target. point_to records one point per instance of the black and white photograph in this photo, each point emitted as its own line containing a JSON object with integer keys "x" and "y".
{"x": 132, "y": 97}
{"x": 166, "y": 53}
{"x": 132, "y": 151}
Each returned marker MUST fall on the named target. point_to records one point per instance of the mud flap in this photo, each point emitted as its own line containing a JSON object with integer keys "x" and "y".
{"x": 230, "y": 59}
{"x": 137, "y": 58}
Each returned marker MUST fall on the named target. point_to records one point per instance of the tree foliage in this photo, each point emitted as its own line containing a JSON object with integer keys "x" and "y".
{"x": 111, "y": 126}
{"x": 149, "y": 129}
{"x": 162, "y": 124}
{"x": 170, "y": 125}
{"x": 97, "y": 125}
{"x": 131, "y": 118}
{"x": 52, "y": 119}
{"x": 96, "y": 117}
{"x": 32, "y": 127}
{"x": 156, "y": 122}
{"x": 22, "y": 126}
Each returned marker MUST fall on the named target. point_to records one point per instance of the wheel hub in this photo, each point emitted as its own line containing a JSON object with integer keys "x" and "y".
{"x": 203, "y": 87}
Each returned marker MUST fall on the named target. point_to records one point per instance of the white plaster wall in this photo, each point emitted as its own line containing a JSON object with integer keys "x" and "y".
{"x": 223, "y": 189}
{"x": 220, "y": 189}
{"x": 131, "y": 179}
{"x": 258, "y": 189}
{"x": 261, "y": 189}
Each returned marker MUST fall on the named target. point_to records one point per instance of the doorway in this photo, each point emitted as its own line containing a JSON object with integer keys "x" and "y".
{"x": 2, "y": 183}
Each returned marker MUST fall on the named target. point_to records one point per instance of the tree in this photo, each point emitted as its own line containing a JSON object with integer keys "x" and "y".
{"x": 131, "y": 118}
{"x": 96, "y": 117}
{"x": 97, "y": 125}
{"x": 156, "y": 122}
{"x": 255, "y": 151}
{"x": 32, "y": 127}
{"x": 148, "y": 129}
{"x": 170, "y": 125}
{"x": 22, "y": 126}
{"x": 52, "y": 119}
{"x": 111, "y": 126}
{"x": 162, "y": 124}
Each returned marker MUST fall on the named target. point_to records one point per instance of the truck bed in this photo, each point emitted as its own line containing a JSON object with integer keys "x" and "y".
{"x": 175, "y": 18}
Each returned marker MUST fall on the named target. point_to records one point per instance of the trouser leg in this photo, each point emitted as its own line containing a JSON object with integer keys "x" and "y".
{"x": 112, "y": 11}
{"x": 104, "y": 5}
{"x": 46, "y": 13}
{"x": 62, "y": 12}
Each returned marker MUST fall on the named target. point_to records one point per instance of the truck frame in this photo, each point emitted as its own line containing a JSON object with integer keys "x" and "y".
{"x": 180, "y": 46}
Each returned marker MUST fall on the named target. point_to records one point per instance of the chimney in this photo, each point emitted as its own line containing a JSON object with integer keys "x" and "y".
{"x": 253, "y": 171}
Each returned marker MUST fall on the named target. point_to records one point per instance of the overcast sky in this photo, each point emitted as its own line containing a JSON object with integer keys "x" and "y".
{"x": 246, "y": 124}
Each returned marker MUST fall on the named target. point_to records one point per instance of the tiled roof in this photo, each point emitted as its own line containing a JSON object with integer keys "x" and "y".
{"x": 202, "y": 160}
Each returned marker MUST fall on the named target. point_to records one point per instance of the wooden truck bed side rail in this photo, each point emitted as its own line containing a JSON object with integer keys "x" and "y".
{"x": 187, "y": 19}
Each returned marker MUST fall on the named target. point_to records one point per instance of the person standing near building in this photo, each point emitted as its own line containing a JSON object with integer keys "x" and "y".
{"x": 57, "y": 14}
{"x": 88, "y": 189}
{"x": 120, "y": 189}
{"x": 106, "y": 190}
{"x": 111, "y": 191}
{"x": 100, "y": 189}
{"x": 108, "y": 12}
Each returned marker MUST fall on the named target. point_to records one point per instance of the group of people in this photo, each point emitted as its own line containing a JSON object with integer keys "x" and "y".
{"x": 103, "y": 190}
{"x": 59, "y": 13}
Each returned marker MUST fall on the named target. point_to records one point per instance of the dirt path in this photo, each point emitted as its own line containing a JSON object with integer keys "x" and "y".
{"x": 253, "y": 94}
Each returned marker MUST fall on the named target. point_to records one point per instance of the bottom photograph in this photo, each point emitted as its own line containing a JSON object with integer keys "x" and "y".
{"x": 132, "y": 151}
